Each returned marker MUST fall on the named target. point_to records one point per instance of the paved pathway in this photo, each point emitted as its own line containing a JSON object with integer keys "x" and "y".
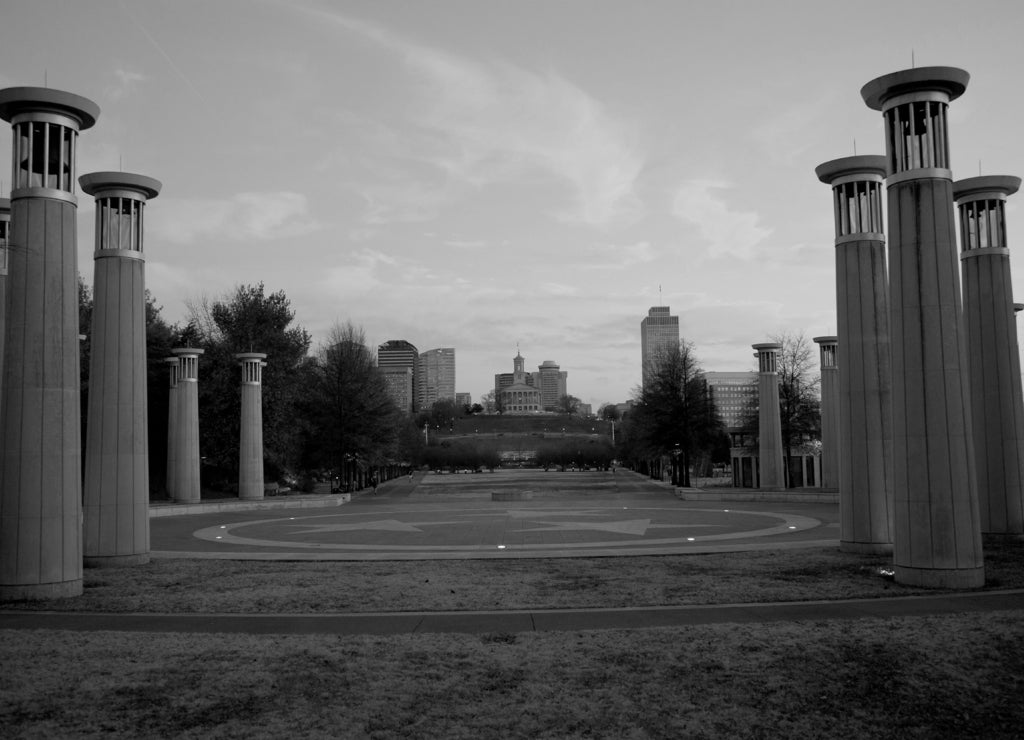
{"x": 543, "y": 620}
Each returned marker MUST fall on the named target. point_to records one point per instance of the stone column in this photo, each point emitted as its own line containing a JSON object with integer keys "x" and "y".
{"x": 186, "y": 439}
{"x": 116, "y": 489}
{"x": 172, "y": 427}
{"x": 40, "y": 418}
{"x": 936, "y": 535}
{"x": 769, "y": 430}
{"x": 250, "y": 452}
{"x": 827, "y": 347}
{"x": 997, "y": 403}
{"x": 865, "y": 365}
{"x": 5, "y": 230}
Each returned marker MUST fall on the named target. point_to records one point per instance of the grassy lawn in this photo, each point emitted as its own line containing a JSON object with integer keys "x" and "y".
{"x": 954, "y": 676}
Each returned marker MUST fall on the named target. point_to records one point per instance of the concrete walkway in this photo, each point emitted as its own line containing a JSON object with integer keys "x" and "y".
{"x": 536, "y": 620}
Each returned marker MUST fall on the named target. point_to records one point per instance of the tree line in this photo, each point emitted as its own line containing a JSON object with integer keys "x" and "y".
{"x": 326, "y": 409}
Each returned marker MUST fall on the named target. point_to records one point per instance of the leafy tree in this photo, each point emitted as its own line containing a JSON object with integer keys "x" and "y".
{"x": 608, "y": 412}
{"x": 674, "y": 414}
{"x": 248, "y": 320}
{"x": 568, "y": 404}
{"x": 353, "y": 423}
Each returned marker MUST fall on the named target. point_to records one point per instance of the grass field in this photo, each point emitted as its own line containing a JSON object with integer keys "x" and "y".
{"x": 925, "y": 677}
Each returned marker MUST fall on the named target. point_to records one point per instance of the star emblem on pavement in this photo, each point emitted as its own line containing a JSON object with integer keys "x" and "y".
{"x": 380, "y": 525}
{"x": 635, "y": 527}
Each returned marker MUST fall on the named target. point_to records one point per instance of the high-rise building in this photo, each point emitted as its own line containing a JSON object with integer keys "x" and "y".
{"x": 659, "y": 333}
{"x": 435, "y": 377}
{"x": 552, "y": 383}
{"x": 396, "y": 360}
{"x": 734, "y": 395}
{"x": 463, "y": 399}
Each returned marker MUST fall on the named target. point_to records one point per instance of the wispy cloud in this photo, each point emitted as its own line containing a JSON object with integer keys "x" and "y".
{"x": 252, "y": 216}
{"x": 699, "y": 203}
{"x": 617, "y": 256}
{"x": 494, "y": 122}
{"x": 125, "y": 83}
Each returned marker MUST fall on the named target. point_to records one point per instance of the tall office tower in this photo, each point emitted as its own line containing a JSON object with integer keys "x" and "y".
{"x": 552, "y": 383}
{"x": 734, "y": 395}
{"x": 827, "y": 347}
{"x": 435, "y": 377}
{"x": 864, "y": 359}
{"x": 937, "y": 534}
{"x": 769, "y": 429}
{"x": 40, "y": 418}
{"x": 186, "y": 441}
{"x": 396, "y": 360}
{"x": 463, "y": 399}
{"x": 659, "y": 333}
{"x": 116, "y": 488}
{"x": 250, "y": 441}
{"x": 990, "y": 328}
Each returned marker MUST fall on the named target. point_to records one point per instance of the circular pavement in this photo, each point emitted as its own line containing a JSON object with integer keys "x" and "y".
{"x": 455, "y": 517}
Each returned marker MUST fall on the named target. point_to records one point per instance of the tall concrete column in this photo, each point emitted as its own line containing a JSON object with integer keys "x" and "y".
{"x": 997, "y": 402}
{"x": 769, "y": 430}
{"x": 865, "y": 364}
{"x": 186, "y": 439}
{"x": 172, "y": 425}
{"x": 937, "y": 534}
{"x": 5, "y": 230}
{"x": 40, "y": 418}
{"x": 827, "y": 347}
{"x": 116, "y": 489}
{"x": 250, "y": 452}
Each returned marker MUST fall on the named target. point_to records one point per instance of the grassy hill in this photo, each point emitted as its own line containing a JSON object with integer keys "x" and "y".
{"x": 547, "y": 426}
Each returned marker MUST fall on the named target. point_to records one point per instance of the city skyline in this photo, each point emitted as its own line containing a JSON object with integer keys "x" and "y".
{"x": 477, "y": 175}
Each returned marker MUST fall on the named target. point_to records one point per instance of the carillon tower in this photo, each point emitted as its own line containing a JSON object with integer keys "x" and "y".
{"x": 769, "y": 430}
{"x": 997, "y": 401}
{"x": 40, "y": 418}
{"x": 116, "y": 494}
{"x": 172, "y": 425}
{"x": 936, "y": 535}
{"x": 5, "y": 230}
{"x": 865, "y": 366}
{"x": 186, "y": 438}
{"x": 827, "y": 348}
{"x": 250, "y": 452}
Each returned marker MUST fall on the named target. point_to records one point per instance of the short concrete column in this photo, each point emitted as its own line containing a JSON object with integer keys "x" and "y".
{"x": 250, "y": 451}
{"x": 769, "y": 430}
{"x": 937, "y": 534}
{"x": 864, "y": 357}
{"x": 116, "y": 488}
{"x": 186, "y": 446}
{"x": 172, "y": 426}
{"x": 827, "y": 347}
{"x": 997, "y": 403}
{"x": 40, "y": 417}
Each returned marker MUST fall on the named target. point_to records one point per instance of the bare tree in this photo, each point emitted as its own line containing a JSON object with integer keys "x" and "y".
{"x": 799, "y": 391}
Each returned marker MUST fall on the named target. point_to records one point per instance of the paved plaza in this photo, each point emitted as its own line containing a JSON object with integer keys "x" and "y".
{"x": 506, "y": 514}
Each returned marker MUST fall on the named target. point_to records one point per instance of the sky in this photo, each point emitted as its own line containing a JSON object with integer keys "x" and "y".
{"x": 494, "y": 174}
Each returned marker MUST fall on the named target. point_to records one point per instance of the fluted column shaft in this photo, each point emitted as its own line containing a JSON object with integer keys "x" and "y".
{"x": 936, "y": 537}
{"x": 863, "y": 355}
{"x": 769, "y": 431}
{"x": 997, "y": 401}
{"x": 116, "y": 489}
{"x": 40, "y": 417}
{"x": 186, "y": 448}
{"x": 250, "y": 452}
